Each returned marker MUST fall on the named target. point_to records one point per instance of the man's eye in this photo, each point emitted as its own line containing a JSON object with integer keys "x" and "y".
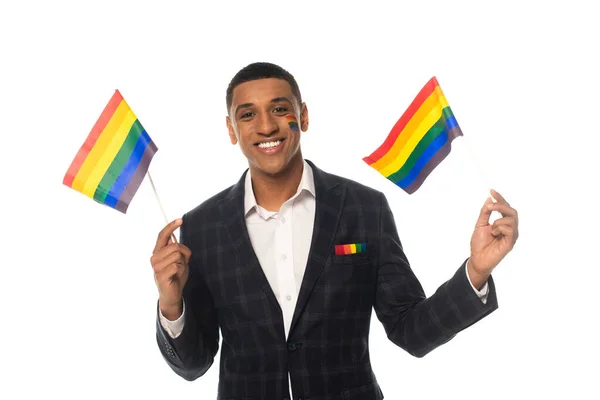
{"x": 280, "y": 110}
{"x": 246, "y": 115}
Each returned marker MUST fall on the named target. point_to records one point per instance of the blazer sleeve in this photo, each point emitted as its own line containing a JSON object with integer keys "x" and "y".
{"x": 412, "y": 321}
{"x": 192, "y": 353}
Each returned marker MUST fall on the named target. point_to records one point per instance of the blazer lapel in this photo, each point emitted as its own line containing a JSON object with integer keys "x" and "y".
{"x": 329, "y": 202}
{"x": 233, "y": 211}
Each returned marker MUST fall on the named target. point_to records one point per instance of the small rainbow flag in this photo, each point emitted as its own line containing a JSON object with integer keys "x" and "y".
{"x": 114, "y": 159}
{"x": 352, "y": 248}
{"x": 419, "y": 141}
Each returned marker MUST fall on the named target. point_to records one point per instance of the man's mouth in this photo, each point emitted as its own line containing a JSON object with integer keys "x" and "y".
{"x": 270, "y": 146}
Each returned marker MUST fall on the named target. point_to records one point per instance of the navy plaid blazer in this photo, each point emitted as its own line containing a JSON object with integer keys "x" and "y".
{"x": 327, "y": 350}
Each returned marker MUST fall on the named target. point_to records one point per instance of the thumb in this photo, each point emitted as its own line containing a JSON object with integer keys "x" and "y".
{"x": 484, "y": 214}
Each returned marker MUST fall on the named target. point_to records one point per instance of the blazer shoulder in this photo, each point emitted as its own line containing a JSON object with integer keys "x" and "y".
{"x": 358, "y": 189}
{"x": 209, "y": 207}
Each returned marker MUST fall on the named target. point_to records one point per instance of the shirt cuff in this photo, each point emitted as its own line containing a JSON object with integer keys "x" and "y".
{"x": 483, "y": 293}
{"x": 173, "y": 328}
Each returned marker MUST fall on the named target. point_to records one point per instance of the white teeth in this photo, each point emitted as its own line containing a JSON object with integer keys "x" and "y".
{"x": 268, "y": 145}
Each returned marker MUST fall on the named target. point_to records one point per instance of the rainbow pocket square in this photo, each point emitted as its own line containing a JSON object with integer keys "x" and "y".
{"x": 353, "y": 248}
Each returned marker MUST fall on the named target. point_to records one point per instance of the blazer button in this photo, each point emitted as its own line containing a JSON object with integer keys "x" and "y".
{"x": 292, "y": 346}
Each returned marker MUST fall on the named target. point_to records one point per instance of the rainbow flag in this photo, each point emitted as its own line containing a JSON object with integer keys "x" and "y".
{"x": 114, "y": 159}
{"x": 419, "y": 141}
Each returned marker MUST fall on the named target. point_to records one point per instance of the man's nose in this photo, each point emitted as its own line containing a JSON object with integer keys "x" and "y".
{"x": 267, "y": 126}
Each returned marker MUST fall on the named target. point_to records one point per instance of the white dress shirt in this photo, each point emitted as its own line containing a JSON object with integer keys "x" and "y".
{"x": 281, "y": 241}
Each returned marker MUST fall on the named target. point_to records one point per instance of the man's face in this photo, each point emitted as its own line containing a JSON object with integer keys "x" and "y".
{"x": 266, "y": 118}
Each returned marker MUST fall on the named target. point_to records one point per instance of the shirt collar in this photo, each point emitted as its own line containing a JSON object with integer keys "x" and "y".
{"x": 307, "y": 182}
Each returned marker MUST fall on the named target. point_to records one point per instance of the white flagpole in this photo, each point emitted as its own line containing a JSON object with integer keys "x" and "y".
{"x": 160, "y": 204}
{"x": 483, "y": 176}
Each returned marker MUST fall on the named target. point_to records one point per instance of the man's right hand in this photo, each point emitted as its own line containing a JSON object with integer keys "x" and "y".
{"x": 170, "y": 264}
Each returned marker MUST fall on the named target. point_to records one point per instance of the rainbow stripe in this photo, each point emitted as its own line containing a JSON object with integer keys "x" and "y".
{"x": 112, "y": 162}
{"x": 293, "y": 123}
{"x": 344, "y": 249}
{"x": 419, "y": 141}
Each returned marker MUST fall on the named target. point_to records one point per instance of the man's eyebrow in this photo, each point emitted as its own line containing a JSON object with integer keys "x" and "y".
{"x": 245, "y": 105}
{"x": 280, "y": 99}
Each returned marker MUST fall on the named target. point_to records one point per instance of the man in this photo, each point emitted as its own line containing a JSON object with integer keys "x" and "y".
{"x": 260, "y": 261}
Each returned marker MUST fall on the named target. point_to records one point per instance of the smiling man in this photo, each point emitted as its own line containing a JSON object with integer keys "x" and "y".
{"x": 290, "y": 261}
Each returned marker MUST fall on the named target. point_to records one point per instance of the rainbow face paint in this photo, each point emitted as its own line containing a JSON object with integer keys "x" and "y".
{"x": 293, "y": 123}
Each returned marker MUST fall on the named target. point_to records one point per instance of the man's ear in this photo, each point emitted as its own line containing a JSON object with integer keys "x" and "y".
{"x": 232, "y": 135}
{"x": 304, "y": 118}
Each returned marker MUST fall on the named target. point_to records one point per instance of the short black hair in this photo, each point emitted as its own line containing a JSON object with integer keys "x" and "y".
{"x": 261, "y": 70}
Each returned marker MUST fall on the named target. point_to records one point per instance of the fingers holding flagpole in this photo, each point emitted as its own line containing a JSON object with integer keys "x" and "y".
{"x": 497, "y": 203}
{"x": 503, "y": 207}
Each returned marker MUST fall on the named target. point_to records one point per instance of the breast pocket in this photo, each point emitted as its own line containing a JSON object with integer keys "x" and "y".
{"x": 346, "y": 284}
{"x": 351, "y": 259}
{"x": 350, "y": 271}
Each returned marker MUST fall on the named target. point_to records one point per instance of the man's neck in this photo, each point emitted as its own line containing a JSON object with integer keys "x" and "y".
{"x": 272, "y": 191}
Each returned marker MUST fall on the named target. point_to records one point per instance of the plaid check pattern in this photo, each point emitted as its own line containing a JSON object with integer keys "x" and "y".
{"x": 326, "y": 353}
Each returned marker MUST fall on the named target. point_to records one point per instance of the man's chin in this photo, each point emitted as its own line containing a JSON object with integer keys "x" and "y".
{"x": 271, "y": 169}
{"x": 275, "y": 166}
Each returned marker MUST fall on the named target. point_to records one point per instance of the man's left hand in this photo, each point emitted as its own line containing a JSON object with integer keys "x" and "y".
{"x": 490, "y": 243}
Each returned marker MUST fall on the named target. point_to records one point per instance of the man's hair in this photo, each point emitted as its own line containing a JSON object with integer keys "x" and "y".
{"x": 261, "y": 70}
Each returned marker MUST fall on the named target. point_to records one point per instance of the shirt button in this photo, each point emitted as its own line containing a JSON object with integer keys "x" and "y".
{"x": 283, "y": 220}
{"x": 288, "y": 297}
{"x": 283, "y": 256}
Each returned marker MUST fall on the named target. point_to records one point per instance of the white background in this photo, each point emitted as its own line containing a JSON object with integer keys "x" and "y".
{"x": 77, "y": 294}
